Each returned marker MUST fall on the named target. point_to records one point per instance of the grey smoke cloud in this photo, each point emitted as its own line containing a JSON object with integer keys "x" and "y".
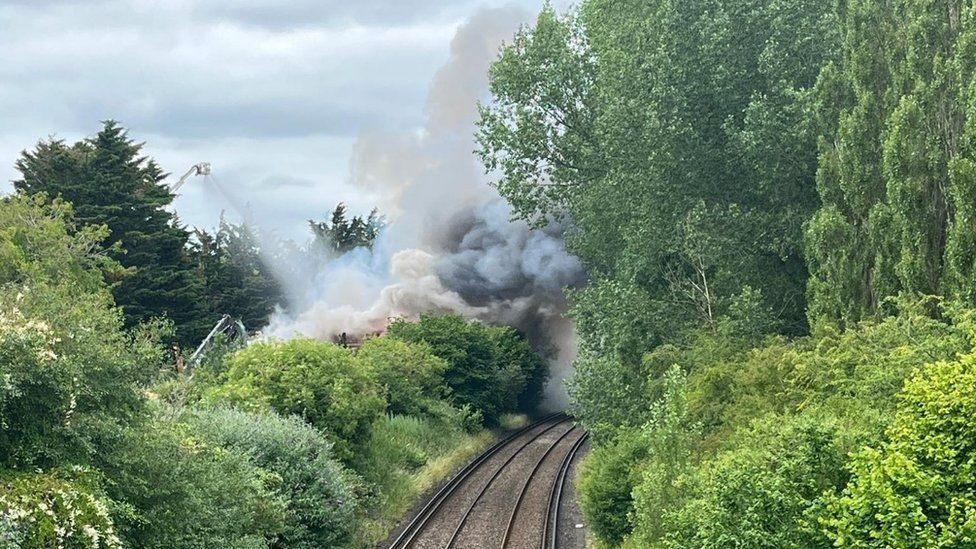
{"x": 489, "y": 258}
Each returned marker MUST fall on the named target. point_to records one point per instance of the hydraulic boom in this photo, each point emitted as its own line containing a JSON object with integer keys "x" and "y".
{"x": 203, "y": 168}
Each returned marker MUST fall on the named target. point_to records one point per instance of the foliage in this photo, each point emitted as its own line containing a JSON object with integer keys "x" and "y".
{"x": 319, "y": 496}
{"x": 918, "y": 488}
{"x": 110, "y": 183}
{"x": 529, "y": 371}
{"x": 405, "y": 457}
{"x": 176, "y": 489}
{"x": 710, "y": 155}
{"x": 411, "y": 374}
{"x": 237, "y": 280}
{"x": 320, "y": 382}
{"x": 640, "y": 468}
{"x": 895, "y": 171}
{"x": 609, "y": 474}
{"x": 59, "y": 509}
{"x": 40, "y": 242}
{"x": 758, "y": 435}
{"x": 488, "y": 368}
{"x": 607, "y": 395}
{"x": 70, "y": 374}
{"x": 764, "y": 492}
{"x": 675, "y": 137}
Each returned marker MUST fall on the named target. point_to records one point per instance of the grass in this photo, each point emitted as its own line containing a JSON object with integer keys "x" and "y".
{"x": 409, "y": 455}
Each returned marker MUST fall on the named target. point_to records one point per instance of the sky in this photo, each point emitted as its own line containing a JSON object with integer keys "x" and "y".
{"x": 275, "y": 95}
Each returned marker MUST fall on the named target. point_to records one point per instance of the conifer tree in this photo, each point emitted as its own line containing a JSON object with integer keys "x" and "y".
{"x": 112, "y": 183}
{"x": 342, "y": 234}
{"x": 237, "y": 281}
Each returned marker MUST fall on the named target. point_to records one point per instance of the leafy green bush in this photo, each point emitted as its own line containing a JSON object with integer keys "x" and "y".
{"x": 765, "y": 430}
{"x": 319, "y": 496}
{"x": 607, "y": 395}
{"x": 321, "y": 382}
{"x": 175, "y": 489}
{"x": 40, "y": 243}
{"x": 411, "y": 374}
{"x": 526, "y": 371}
{"x": 489, "y": 368}
{"x": 42, "y": 510}
{"x": 609, "y": 474}
{"x": 763, "y": 493}
{"x": 640, "y": 466}
{"x": 918, "y": 489}
{"x": 69, "y": 374}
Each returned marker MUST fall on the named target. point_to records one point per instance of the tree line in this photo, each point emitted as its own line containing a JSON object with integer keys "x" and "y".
{"x": 773, "y": 200}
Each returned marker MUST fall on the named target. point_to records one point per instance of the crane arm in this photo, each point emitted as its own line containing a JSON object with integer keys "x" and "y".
{"x": 203, "y": 168}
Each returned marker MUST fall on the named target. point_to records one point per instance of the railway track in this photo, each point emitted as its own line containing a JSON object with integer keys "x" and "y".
{"x": 509, "y": 497}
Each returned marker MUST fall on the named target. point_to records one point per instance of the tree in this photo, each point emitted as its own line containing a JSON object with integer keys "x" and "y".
{"x": 320, "y": 382}
{"x": 177, "y": 489}
{"x": 71, "y": 377}
{"x": 340, "y": 235}
{"x": 43, "y": 510}
{"x": 411, "y": 374}
{"x": 674, "y": 135}
{"x": 488, "y": 368}
{"x": 112, "y": 184}
{"x": 895, "y": 175}
{"x": 319, "y": 495}
{"x": 764, "y": 493}
{"x": 237, "y": 279}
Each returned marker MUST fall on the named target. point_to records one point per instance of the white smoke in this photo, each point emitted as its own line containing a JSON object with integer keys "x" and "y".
{"x": 449, "y": 245}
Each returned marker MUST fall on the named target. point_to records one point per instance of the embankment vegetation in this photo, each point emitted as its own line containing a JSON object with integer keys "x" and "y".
{"x": 281, "y": 444}
{"x": 773, "y": 200}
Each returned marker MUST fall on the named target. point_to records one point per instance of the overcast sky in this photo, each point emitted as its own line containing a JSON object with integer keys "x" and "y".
{"x": 273, "y": 93}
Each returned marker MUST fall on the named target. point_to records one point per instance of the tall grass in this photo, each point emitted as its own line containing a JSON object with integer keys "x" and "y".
{"x": 406, "y": 456}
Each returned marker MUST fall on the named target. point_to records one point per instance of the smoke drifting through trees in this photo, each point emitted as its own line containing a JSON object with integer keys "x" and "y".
{"x": 449, "y": 245}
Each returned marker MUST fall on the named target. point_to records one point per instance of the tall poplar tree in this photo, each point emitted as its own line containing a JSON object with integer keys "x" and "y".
{"x": 896, "y": 165}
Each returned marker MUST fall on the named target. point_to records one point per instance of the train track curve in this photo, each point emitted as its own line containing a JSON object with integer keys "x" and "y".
{"x": 509, "y": 497}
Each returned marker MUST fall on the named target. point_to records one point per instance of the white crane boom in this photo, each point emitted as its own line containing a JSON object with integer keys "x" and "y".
{"x": 203, "y": 168}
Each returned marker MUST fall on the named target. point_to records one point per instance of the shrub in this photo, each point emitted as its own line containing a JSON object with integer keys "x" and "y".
{"x": 318, "y": 381}
{"x": 607, "y": 395}
{"x": 69, "y": 375}
{"x": 609, "y": 475}
{"x": 918, "y": 489}
{"x": 410, "y": 373}
{"x": 488, "y": 369}
{"x": 527, "y": 372}
{"x": 177, "y": 490}
{"x": 319, "y": 495}
{"x": 640, "y": 467}
{"x": 764, "y": 493}
{"x": 42, "y": 510}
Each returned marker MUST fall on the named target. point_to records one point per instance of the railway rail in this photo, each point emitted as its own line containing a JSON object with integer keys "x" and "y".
{"x": 509, "y": 497}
